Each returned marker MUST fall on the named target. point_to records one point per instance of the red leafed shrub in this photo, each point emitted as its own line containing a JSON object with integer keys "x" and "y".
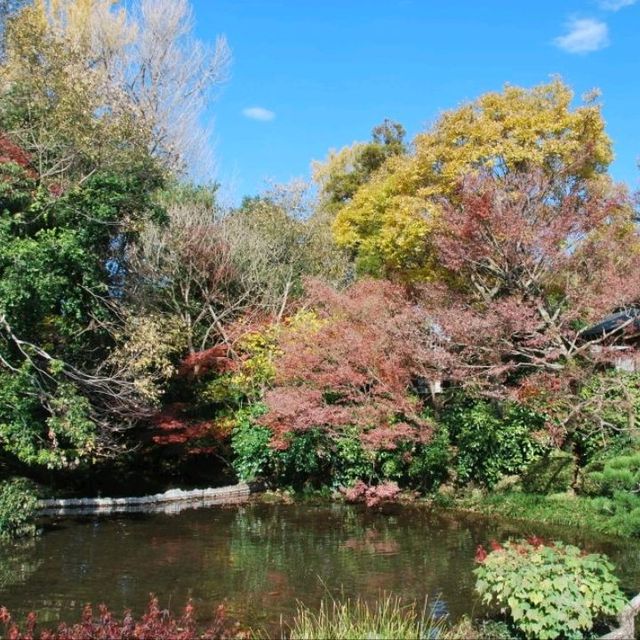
{"x": 155, "y": 624}
{"x": 495, "y": 546}
{"x": 11, "y": 152}
{"x": 521, "y": 547}
{"x": 530, "y": 262}
{"x": 198, "y": 364}
{"x": 372, "y": 495}
{"x": 17, "y": 176}
{"x": 481, "y": 554}
{"x": 351, "y": 365}
{"x": 173, "y": 427}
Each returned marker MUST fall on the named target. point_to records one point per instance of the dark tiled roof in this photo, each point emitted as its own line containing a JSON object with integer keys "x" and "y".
{"x": 613, "y": 321}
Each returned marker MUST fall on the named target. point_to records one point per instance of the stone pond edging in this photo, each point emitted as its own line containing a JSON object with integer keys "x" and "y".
{"x": 626, "y": 622}
{"x": 172, "y": 501}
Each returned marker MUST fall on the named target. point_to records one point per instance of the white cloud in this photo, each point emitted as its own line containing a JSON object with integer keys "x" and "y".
{"x": 258, "y": 113}
{"x": 584, "y": 35}
{"x": 615, "y": 5}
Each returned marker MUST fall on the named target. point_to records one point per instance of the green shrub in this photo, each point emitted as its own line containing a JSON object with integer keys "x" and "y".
{"x": 253, "y": 456}
{"x": 609, "y": 476}
{"x": 352, "y": 462}
{"x": 491, "y": 440}
{"x": 312, "y": 459}
{"x": 624, "y": 510}
{"x": 429, "y": 463}
{"x": 305, "y": 462}
{"x": 549, "y": 591}
{"x": 553, "y": 473}
{"x": 18, "y": 505}
{"x": 388, "y": 619}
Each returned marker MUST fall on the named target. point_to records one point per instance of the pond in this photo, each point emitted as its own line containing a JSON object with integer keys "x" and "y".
{"x": 262, "y": 559}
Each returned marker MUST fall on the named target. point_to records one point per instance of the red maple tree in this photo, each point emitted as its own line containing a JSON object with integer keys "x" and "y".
{"x": 530, "y": 262}
{"x": 354, "y": 367}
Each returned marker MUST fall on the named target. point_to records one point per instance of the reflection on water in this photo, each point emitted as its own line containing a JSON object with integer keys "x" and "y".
{"x": 261, "y": 559}
{"x": 17, "y": 563}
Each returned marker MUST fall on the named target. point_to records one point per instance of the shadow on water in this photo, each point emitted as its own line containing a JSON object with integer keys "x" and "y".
{"x": 262, "y": 559}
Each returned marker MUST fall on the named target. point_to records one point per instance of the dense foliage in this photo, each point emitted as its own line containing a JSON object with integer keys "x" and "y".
{"x": 491, "y": 440}
{"x": 621, "y": 473}
{"x": 423, "y": 320}
{"x": 85, "y": 145}
{"x": 342, "y": 174}
{"x": 18, "y": 505}
{"x": 390, "y": 219}
{"x": 458, "y": 317}
{"x": 351, "y": 365}
{"x": 548, "y": 590}
{"x": 60, "y": 394}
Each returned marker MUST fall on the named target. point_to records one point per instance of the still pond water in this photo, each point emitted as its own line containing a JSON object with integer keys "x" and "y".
{"x": 262, "y": 559}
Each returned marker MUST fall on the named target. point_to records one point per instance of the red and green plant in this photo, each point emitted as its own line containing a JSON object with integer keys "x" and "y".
{"x": 154, "y": 624}
{"x": 352, "y": 366}
{"x": 372, "y": 496}
{"x": 528, "y": 261}
{"x": 548, "y": 590}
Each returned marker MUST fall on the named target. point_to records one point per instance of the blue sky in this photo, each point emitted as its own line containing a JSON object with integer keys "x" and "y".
{"x": 310, "y": 75}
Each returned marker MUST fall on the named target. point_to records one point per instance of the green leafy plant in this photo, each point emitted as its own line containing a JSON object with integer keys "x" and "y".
{"x": 311, "y": 459}
{"x": 305, "y": 462}
{"x": 492, "y": 440}
{"x": 548, "y": 590}
{"x": 250, "y": 444}
{"x": 354, "y": 461}
{"x": 429, "y": 463}
{"x": 18, "y": 504}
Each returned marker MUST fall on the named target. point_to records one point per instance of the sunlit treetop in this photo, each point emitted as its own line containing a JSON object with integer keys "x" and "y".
{"x": 59, "y": 97}
{"x": 389, "y": 219}
{"x": 94, "y": 84}
{"x": 344, "y": 171}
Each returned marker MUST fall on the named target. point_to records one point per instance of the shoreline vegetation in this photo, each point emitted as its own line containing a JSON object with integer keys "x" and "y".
{"x": 561, "y": 509}
{"x": 564, "y": 510}
{"x": 388, "y": 618}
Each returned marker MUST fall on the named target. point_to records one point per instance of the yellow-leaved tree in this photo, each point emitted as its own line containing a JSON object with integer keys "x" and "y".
{"x": 388, "y": 221}
{"x": 88, "y": 85}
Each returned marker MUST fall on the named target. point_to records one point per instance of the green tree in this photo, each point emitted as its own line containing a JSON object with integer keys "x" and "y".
{"x": 61, "y": 399}
{"x": 341, "y": 175}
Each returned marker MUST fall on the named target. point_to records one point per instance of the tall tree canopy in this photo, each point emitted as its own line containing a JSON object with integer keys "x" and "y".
{"x": 532, "y": 263}
{"x": 389, "y": 220}
{"x": 90, "y": 85}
